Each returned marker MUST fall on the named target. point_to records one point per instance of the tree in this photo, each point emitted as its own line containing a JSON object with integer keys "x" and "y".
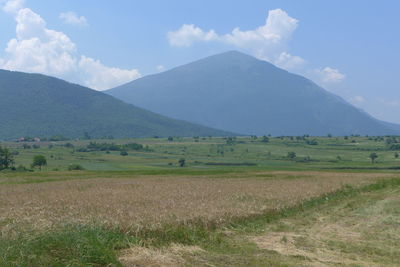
{"x": 265, "y": 139}
{"x": 396, "y": 155}
{"x": 230, "y": 141}
{"x": 26, "y": 146}
{"x": 291, "y": 155}
{"x": 373, "y": 156}
{"x": 39, "y": 161}
{"x": 75, "y": 167}
{"x": 182, "y": 162}
{"x": 6, "y": 158}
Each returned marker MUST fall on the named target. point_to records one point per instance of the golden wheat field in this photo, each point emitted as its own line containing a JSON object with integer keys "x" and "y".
{"x": 151, "y": 201}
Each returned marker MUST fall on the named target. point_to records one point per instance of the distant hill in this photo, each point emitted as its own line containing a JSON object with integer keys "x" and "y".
{"x": 38, "y": 105}
{"x": 239, "y": 93}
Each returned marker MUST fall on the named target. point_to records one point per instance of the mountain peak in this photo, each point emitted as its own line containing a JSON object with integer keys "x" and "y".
{"x": 239, "y": 93}
{"x": 230, "y": 58}
{"x": 234, "y": 54}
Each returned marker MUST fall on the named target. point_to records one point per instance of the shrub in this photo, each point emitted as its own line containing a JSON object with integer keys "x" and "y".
{"x": 182, "y": 162}
{"x": 68, "y": 145}
{"x": 75, "y": 167}
{"x": 291, "y": 155}
{"x": 312, "y": 142}
{"x": 22, "y": 168}
{"x": 395, "y": 147}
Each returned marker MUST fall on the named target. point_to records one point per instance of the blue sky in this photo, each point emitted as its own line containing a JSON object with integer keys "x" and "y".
{"x": 348, "y": 47}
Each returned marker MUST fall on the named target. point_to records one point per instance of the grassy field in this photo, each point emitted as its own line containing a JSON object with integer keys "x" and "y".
{"x": 235, "y": 202}
{"x": 218, "y": 154}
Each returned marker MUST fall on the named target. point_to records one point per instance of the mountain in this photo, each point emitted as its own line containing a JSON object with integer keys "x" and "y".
{"x": 39, "y": 105}
{"x": 239, "y": 93}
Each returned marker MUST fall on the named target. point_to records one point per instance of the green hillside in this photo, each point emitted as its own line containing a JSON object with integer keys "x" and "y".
{"x": 239, "y": 93}
{"x": 38, "y": 105}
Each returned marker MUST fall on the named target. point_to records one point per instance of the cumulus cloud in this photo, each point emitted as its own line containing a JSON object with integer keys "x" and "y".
{"x": 96, "y": 75}
{"x": 39, "y": 49}
{"x": 188, "y": 34}
{"x": 330, "y": 75}
{"x": 288, "y": 61}
{"x": 267, "y": 42}
{"x": 278, "y": 28}
{"x": 73, "y": 19}
{"x": 13, "y": 6}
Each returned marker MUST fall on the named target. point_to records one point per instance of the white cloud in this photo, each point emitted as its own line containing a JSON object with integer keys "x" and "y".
{"x": 278, "y": 28}
{"x": 12, "y": 6}
{"x": 288, "y": 61}
{"x": 188, "y": 34}
{"x": 329, "y": 75}
{"x": 160, "y": 68}
{"x": 96, "y": 75}
{"x": 39, "y": 49}
{"x": 267, "y": 42}
{"x": 73, "y": 19}
{"x": 357, "y": 99}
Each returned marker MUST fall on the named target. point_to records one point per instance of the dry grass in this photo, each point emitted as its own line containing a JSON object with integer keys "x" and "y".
{"x": 162, "y": 257}
{"x": 150, "y": 202}
{"x": 356, "y": 232}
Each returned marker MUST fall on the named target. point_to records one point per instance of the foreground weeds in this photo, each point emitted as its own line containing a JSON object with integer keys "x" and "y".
{"x": 68, "y": 246}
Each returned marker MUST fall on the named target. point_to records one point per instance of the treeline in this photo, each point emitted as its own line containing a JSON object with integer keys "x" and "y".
{"x": 57, "y": 138}
{"x": 94, "y": 146}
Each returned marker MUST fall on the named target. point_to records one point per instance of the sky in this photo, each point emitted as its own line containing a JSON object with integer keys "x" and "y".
{"x": 350, "y": 48}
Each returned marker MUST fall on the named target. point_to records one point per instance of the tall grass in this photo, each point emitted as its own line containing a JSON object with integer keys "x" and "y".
{"x": 68, "y": 246}
{"x": 98, "y": 246}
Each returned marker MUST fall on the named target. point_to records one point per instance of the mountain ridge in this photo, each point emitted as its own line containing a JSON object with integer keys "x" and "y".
{"x": 40, "y": 105}
{"x": 239, "y": 93}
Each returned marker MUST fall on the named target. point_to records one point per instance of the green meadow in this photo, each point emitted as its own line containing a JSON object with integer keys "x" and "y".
{"x": 211, "y": 154}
